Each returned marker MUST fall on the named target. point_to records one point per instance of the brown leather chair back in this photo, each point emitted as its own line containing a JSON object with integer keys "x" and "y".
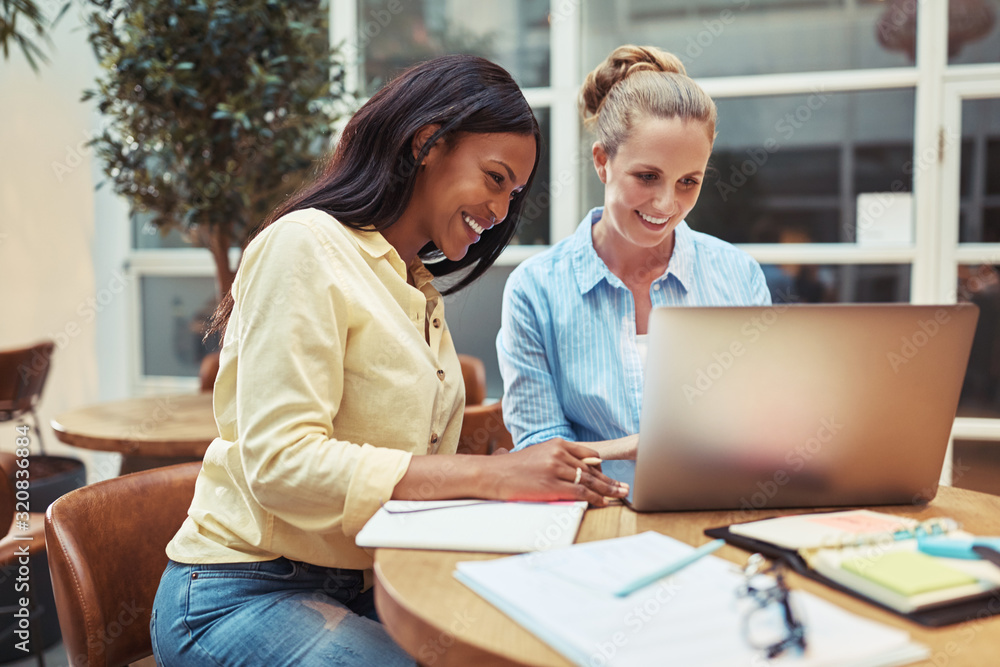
{"x": 22, "y": 377}
{"x": 474, "y": 374}
{"x": 483, "y": 430}
{"x": 7, "y": 497}
{"x": 106, "y": 547}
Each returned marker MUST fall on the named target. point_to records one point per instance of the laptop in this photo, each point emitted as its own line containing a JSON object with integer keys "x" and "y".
{"x": 749, "y": 408}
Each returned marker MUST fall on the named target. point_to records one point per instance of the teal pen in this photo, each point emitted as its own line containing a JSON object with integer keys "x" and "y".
{"x": 956, "y": 547}
{"x": 670, "y": 568}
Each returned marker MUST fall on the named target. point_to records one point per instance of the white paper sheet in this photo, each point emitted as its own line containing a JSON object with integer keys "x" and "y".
{"x": 691, "y": 618}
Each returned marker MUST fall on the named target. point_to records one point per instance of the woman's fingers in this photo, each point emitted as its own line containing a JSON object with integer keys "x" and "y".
{"x": 559, "y": 472}
{"x": 584, "y": 465}
{"x": 601, "y": 485}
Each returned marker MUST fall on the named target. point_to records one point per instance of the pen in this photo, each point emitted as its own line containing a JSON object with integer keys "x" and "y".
{"x": 591, "y": 461}
{"x": 670, "y": 568}
{"x": 955, "y": 547}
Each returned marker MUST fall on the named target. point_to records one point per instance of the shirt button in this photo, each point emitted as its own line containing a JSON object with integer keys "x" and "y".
{"x": 441, "y": 375}
{"x": 434, "y": 438}
{"x": 437, "y": 322}
{"x": 656, "y": 286}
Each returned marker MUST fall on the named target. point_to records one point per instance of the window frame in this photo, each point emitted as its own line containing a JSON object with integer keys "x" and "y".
{"x": 962, "y": 83}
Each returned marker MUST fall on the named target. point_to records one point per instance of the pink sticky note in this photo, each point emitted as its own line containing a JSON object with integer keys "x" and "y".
{"x": 858, "y": 523}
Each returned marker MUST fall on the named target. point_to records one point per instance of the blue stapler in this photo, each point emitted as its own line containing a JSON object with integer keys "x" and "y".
{"x": 958, "y": 547}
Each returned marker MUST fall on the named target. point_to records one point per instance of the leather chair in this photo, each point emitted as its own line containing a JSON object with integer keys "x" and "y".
{"x": 106, "y": 547}
{"x": 474, "y": 374}
{"x": 23, "y": 372}
{"x": 483, "y": 430}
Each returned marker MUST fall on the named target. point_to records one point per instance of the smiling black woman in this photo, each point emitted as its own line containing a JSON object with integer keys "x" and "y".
{"x": 338, "y": 375}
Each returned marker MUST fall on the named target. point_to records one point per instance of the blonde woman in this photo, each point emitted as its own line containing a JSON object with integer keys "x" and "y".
{"x": 572, "y": 341}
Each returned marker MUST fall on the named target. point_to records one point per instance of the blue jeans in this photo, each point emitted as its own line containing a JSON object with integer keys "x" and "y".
{"x": 272, "y": 613}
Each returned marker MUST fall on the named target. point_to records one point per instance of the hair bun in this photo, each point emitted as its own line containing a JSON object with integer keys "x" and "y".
{"x": 623, "y": 62}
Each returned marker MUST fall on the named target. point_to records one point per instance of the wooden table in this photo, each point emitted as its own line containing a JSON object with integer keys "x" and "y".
{"x": 441, "y": 622}
{"x": 149, "y": 432}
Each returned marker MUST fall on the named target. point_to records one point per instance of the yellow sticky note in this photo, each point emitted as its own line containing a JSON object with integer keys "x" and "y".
{"x": 908, "y": 572}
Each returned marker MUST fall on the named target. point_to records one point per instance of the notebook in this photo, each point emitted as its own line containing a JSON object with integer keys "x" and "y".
{"x": 876, "y": 556}
{"x": 797, "y": 406}
{"x": 473, "y": 525}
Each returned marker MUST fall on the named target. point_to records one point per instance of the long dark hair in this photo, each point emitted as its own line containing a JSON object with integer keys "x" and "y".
{"x": 369, "y": 180}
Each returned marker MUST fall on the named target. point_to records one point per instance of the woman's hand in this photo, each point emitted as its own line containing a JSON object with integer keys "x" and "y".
{"x": 622, "y": 448}
{"x": 548, "y": 471}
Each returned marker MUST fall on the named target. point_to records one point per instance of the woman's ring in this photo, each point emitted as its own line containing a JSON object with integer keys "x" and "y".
{"x": 579, "y": 475}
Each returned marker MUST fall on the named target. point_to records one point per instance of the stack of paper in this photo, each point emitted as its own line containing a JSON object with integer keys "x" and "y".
{"x": 691, "y": 618}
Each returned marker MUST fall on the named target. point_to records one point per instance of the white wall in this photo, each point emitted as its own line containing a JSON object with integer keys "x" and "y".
{"x": 56, "y": 259}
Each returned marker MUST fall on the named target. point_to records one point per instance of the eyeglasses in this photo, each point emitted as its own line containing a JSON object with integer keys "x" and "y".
{"x": 770, "y": 622}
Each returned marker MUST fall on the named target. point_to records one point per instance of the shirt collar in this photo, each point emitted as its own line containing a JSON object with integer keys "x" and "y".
{"x": 373, "y": 243}
{"x": 590, "y": 269}
{"x": 682, "y": 260}
{"x": 421, "y": 276}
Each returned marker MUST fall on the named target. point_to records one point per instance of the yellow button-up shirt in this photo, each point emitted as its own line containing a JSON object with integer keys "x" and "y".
{"x": 334, "y": 371}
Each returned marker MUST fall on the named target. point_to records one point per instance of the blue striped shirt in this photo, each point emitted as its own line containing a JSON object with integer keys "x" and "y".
{"x": 567, "y": 343}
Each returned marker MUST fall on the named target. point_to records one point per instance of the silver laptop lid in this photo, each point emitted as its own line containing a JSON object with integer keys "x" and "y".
{"x": 799, "y": 406}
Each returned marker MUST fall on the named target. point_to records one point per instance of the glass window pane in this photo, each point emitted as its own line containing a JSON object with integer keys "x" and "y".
{"x": 474, "y": 321}
{"x": 147, "y": 237}
{"x": 883, "y": 167}
{"x": 394, "y": 35}
{"x": 534, "y": 227}
{"x": 967, "y": 168}
{"x": 991, "y": 225}
{"x": 980, "y": 284}
{"x": 736, "y": 37}
{"x": 993, "y": 159}
{"x": 838, "y": 283}
{"x": 794, "y": 165}
{"x": 174, "y": 312}
{"x": 973, "y": 31}
{"x": 979, "y": 217}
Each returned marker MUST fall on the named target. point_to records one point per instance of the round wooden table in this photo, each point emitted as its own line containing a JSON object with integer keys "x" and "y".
{"x": 149, "y": 432}
{"x": 441, "y": 622}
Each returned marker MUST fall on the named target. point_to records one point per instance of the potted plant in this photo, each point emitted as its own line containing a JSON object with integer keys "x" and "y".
{"x": 215, "y": 110}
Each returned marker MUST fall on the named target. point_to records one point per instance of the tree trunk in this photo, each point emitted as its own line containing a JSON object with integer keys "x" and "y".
{"x": 217, "y": 240}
